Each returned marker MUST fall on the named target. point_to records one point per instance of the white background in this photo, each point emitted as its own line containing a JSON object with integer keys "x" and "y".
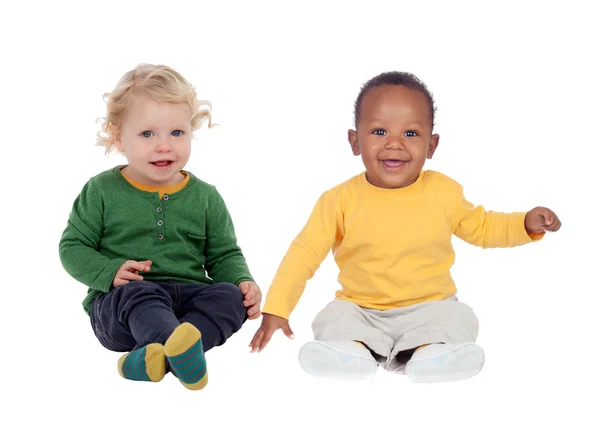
{"x": 516, "y": 86}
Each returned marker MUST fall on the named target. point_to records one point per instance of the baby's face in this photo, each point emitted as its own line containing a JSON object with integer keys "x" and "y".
{"x": 156, "y": 140}
{"x": 393, "y": 135}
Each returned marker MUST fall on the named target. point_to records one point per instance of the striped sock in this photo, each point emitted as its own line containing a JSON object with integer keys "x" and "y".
{"x": 144, "y": 364}
{"x": 186, "y": 356}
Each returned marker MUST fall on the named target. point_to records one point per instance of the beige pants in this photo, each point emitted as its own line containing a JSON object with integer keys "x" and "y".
{"x": 389, "y": 333}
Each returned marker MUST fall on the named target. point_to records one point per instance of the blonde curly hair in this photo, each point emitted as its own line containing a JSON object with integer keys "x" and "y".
{"x": 161, "y": 83}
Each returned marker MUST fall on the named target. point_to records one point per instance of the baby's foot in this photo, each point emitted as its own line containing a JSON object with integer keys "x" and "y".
{"x": 343, "y": 360}
{"x": 144, "y": 364}
{"x": 186, "y": 358}
{"x": 445, "y": 362}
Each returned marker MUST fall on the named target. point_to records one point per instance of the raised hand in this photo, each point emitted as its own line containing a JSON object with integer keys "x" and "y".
{"x": 541, "y": 219}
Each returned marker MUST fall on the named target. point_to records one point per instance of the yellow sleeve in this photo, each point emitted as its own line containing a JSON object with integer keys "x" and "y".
{"x": 306, "y": 253}
{"x": 490, "y": 229}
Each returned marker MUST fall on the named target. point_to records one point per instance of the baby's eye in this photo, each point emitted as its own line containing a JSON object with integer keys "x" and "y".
{"x": 177, "y": 132}
{"x": 379, "y": 132}
{"x": 147, "y": 133}
{"x": 410, "y": 133}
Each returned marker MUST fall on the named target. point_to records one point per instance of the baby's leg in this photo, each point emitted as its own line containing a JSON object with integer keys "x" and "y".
{"x": 217, "y": 311}
{"x": 448, "y": 330}
{"x": 136, "y": 317}
{"x": 209, "y": 315}
{"x": 346, "y": 345}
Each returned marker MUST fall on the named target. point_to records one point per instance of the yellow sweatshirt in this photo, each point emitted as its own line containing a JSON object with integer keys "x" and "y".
{"x": 392, "y": 246}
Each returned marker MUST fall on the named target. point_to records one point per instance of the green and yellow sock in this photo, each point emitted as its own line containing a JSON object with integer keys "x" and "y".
{"x": 185, "y": 354}
{"x": 144, "y": 364}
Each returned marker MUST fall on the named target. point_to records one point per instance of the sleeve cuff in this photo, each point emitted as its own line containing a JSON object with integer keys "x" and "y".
{"x": 273, "y": 309}
{"x": 242, "y": 279}
{"x": 111, "y": 271}
{"x": 525, "y": 237}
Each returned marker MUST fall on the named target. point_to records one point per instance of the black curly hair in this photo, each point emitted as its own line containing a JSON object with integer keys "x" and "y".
{"x": 395, "y": 78}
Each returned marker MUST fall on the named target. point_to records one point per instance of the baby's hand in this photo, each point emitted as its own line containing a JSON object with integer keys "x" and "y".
{"x": 129, "y": 272}
{"x": 270, "y": 324}
{"x": 540, "y": 220}
{"x": 252, "y": 298}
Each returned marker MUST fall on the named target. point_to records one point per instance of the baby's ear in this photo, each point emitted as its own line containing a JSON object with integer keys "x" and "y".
{"x": 113, "y": 133}
{"x": 116, "y": 135}
{"x": 433, "y": 144}
{"x": 353, "y": 140}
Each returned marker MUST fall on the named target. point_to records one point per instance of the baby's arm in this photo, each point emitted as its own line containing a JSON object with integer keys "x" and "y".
{"x": 306, "y": 253}
{"x": 323, "y": 229}
{"x": 225, "y": 261}
{"x": 491, "y": 229}
{"x": 79, "y": 244}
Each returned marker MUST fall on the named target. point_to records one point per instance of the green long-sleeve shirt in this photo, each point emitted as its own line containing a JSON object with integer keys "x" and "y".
{"x": 189, "y": 235}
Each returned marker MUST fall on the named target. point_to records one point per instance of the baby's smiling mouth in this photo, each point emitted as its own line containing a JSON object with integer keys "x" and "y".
{"x": 162, "y": 163}
{"x": 394, "y": 163}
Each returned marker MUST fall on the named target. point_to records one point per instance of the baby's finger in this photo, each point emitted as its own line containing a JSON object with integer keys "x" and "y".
{"x": 144, "y": 265}
{"x": 253, "y": 289}
{"x": 254, "y": 312}
{"x": 256, "y": 340}
{"x": 554, "y": 226}
{"x": 127, "y": 275}
{"x": 265, "y": 340}
{"x": 549, "y": 216}
{"x": 244, "y": 287}
{"x": 119, "y": 282}
{"x": 287, "y": 330}
{"x": 136, "y": 266}
{"x": 252, "y": 301}
{"x": 253, "y": 293}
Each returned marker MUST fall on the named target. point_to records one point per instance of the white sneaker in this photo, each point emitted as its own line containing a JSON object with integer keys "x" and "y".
{"x": 342, "y": 360}
{"x": 445, "y": 362}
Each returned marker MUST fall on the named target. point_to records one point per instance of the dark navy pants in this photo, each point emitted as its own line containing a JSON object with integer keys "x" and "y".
{"x": 143, "y": 312}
